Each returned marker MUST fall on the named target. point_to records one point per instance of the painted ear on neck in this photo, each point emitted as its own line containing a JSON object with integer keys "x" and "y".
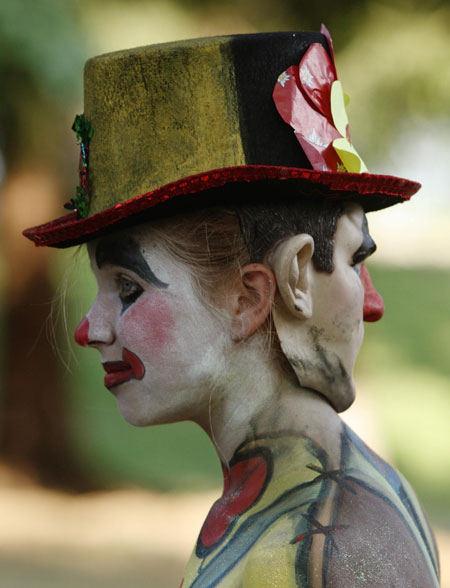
{"x": 291, "y": 264}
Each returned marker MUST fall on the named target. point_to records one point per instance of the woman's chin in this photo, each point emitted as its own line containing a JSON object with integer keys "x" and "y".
{"x": 137, "y": 419}
{"x": 131, "y": 406}
{"x": 139, "y": 413}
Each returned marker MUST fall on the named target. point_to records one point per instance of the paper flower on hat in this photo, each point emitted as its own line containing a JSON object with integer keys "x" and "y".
{"x": 309, "y": 97}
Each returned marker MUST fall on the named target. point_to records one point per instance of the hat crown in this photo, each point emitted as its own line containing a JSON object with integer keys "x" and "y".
{"x": 168, "y": 111}
{"x": 194, "y": 123}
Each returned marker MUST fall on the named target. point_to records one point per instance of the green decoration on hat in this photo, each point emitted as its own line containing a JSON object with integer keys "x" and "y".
{"x": 84, "y": 132}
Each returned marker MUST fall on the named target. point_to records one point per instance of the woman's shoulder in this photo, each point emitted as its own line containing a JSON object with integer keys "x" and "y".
{"x": 364, "y": 527}
{"x": 381, "y": 529}
{"x": 292, "y": 516}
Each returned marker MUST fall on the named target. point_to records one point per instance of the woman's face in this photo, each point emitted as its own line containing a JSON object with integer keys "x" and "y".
{"x": 162, "y": 348}
{"x": 159, "y": 344}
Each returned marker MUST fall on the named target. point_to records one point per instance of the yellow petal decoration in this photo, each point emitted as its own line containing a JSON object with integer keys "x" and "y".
{"x": 349, "y": 157}
{"x": 338, "y": 108}
{"x": 347, "y": 153}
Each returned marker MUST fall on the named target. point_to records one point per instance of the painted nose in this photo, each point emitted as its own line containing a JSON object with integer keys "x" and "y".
{"x": 82, "y": 333}
{"x": 94, "y": 332}
{"x": 373, "y": 302}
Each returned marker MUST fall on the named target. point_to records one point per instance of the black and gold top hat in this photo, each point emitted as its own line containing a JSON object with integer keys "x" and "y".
{"x": 167, "y": 123}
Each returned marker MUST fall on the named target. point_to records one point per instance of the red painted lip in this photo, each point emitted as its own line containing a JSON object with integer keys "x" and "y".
{"x": 118, "y": 372}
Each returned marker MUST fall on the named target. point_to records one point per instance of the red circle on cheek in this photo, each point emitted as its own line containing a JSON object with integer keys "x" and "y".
{"x": 373, "y": 302}
{"x": 82, "y": 333}
{"x": 149, "y": 322}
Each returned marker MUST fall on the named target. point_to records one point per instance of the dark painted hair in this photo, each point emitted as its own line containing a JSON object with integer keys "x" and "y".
{"x": 265, "y": 225}
{"x": 216, "y": 241}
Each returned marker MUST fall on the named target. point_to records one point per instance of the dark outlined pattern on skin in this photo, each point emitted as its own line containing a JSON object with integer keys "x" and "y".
{"x": 300, "y": 497}
{"x": 361, "y": 479}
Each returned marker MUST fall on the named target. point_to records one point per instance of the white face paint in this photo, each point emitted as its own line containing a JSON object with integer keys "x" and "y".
{"x": 338, "y": 298}
{"x": 322, "y": 349}
{"x": 159, "y": 344}
{"x": 164, "y": 350}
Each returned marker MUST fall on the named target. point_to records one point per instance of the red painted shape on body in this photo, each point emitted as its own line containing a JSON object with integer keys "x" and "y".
{"x": 82, "y": 333}
{"x": 136, "y": 364}
{"x": 373, "y": 302}
{"x": 242, "y": 487}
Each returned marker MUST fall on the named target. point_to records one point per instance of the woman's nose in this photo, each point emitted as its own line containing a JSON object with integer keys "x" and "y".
{"x": 94, "y": 330}
{"x": 373, "y": 302}
{"x": 82, "y": 333}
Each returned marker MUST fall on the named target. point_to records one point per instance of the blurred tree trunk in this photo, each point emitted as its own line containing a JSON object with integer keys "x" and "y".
{"x": 34, "y": 434}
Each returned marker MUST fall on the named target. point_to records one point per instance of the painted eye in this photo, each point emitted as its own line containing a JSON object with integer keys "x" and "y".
{"x": 365, "y": 251}
{"x": 129, "y": 291}
{"x": 356, "y": 265}
{"x": 359, "y": 257}
{"x": 127, "y": 286}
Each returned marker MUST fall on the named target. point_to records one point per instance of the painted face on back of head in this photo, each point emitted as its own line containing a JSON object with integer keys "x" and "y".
{"x": 346, "y": 297}
{"x": 157, "y": 340}
{"x": 322, "y": 349}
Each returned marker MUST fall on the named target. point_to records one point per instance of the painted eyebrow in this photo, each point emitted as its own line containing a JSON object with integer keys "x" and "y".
{"x": 125, "y": 252}
{"x": 368, "y": 245}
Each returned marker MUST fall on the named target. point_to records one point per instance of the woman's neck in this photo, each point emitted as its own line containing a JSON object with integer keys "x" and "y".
{"x": 254, "y": 398}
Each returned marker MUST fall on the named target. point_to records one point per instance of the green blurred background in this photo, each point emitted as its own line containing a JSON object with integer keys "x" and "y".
{"x": 59, "y": 428}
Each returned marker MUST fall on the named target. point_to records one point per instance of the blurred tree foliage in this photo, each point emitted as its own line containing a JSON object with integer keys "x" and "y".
{"x": 41, "y": 57}
{"x": 397, "y": 71}
{"x": 264, "y": 15}
{"x": 393, "y": 57}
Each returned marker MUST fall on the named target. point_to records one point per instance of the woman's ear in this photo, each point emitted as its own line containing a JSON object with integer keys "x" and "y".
{"x": 253, "y": 299}
{"x": 290, "y": 262}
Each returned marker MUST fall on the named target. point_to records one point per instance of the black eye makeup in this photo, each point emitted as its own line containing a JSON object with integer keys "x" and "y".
{"x": 363, "y": 254}
{"x": 129, "y": 291}
{"x": 367, "y": 247}
{"x": 124, "y": 251}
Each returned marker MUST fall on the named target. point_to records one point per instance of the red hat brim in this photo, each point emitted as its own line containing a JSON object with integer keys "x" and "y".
{"x": 372, "y": 191}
